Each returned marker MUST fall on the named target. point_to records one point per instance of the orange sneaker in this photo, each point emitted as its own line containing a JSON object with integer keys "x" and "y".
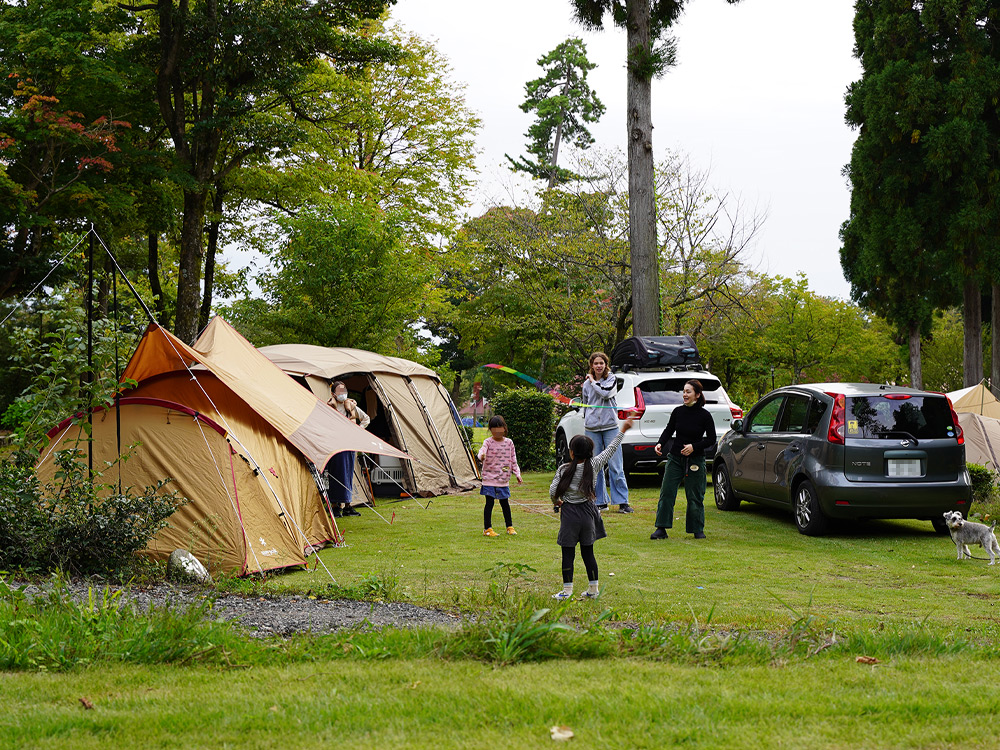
{"x": 489, "y": 532}
{"x": 510, "y": 530}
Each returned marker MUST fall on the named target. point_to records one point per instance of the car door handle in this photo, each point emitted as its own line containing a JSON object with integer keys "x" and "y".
{"x": 761, "y": 446}
{"x": 794, "y": 448}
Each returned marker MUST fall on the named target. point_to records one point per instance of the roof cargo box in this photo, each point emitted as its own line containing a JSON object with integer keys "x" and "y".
{"x": 655, "y": 351}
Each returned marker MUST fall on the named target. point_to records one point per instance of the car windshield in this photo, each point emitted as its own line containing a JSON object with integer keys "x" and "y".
{"x": 920, "y": 417}
{"x": 667, "y": 391}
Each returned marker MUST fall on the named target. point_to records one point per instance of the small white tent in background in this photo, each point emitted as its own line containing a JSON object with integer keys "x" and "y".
{"x": 978, "y": 412}
{"x": 982, "y": 440}
{"x": 977, "y": 399}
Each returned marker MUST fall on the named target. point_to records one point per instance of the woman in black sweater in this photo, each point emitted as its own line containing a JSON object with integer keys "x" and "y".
{"x": 693, "y": 430}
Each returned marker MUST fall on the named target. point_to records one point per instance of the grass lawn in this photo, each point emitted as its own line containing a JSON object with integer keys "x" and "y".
{"x": 908, "y": 703}
{"x": 883, "y": 581}
{"x": 752, "y": 565}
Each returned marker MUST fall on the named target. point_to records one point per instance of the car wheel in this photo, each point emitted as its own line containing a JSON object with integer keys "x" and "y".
{"x": 939, "y": 525}
{"x": 725, "y": 498}
{"x": 562, "y": 449}
{"x": 808, "y": 517}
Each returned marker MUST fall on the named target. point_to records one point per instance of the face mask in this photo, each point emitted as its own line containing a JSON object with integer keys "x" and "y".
{"x": 341, "y": 397}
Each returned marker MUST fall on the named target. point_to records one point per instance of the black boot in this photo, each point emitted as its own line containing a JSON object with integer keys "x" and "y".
{"x": 660, "y": 533}
{"x": 349, "y": 511}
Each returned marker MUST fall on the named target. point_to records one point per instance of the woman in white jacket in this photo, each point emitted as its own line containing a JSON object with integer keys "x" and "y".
{"x": 341, "y": 467}
{"x": 601, "y": 426}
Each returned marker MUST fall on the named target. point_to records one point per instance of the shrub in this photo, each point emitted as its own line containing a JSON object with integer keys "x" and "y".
{"x": 75, "y": 524}
{"x": 984, "y": 483}
{"x": 530, "y": 418}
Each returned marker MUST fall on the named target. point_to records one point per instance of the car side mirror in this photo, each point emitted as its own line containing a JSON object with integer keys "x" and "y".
{"x": 737, "y": 425}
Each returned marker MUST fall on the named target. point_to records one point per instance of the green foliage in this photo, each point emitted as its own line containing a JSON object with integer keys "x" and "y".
{"x": 525, "y": 639}
{"x": 342, "y": 277}
{"x": 49, "y": 348}
{"x": 55, "y": 632}
{"x": 530, "y": 418}
{"x": 941, "y": 352}
{"x": 563, "y": 103}
{"x": 75, "y": 524}
{"x": 984, "y": 483}
{"x": 58, "y": 133}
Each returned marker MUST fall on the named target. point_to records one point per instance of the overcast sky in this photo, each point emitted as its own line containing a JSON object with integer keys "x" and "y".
{"x": 757, "y": 98}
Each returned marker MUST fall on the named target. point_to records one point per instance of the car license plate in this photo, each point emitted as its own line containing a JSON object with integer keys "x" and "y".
{"x": 904, "y": 467}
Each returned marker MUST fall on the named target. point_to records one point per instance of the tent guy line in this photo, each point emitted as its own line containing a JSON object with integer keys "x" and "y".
{"x": 225, "y": 486}
{"x": 51, "y": 271}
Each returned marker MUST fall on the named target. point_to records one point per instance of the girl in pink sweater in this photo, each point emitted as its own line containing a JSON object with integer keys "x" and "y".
{"x": 499, "y": 461}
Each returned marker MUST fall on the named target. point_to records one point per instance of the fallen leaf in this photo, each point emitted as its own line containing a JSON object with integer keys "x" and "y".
{"x": 414, "y": 685}
{"x": 561, "y": 734}
{"x": 274, "y": 708}
{"x": 866, "y": 660}
{"x": 87, "y": 704}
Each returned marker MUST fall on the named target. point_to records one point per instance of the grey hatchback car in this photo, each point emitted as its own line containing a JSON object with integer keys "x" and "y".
{"x": 846, "y": 451}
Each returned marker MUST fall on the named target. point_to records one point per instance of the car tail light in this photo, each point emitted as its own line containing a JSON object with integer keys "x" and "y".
{"x": 736, "y": 411}
{"x": 636, "y": 411}
{"x": 836, "y": 432}
{"x": 959, "y": 434}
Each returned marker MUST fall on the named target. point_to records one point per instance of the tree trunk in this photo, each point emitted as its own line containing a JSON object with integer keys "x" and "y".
{"x": 995, "y": 336}
{"x": 972, "y": 319}
{"x": 213, "y": 243}
{"x": 916, "y": 371}
{"x": 153, "y": 270}
{"x": 189, "y": 278}
{"x": 641, "y": 201}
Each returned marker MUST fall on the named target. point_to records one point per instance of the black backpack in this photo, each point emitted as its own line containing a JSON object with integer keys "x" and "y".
{"x": 655, "y": 351}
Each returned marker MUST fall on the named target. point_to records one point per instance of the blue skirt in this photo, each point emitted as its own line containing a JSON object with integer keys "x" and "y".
{"x": 497, "y": 493}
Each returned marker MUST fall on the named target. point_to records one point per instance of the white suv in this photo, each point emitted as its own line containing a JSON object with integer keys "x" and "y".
{"x": 654, "y": 393}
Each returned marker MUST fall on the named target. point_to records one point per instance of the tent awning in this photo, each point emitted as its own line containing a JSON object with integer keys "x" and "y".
{"x": 313, "y": 427}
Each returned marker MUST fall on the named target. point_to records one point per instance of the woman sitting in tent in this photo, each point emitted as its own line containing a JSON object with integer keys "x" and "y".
{"x": 340, "y": 470}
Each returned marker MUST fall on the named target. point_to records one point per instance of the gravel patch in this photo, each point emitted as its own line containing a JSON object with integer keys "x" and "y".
{"x": 273, "y": 614}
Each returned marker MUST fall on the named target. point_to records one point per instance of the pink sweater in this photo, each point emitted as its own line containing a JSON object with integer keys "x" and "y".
{"x": 499, "y": 462}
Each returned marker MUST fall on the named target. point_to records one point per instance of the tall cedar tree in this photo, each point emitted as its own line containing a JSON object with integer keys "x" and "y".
{"x": 644, "y": 21}
{"x": 213, "y": 67}
{"x": 926, "y": 201}
{"x": 564, "y": 103}
{"x": 885, "y": 256}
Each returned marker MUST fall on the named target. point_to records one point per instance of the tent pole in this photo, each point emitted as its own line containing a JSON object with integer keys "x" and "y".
{"x": 90, "y": 355}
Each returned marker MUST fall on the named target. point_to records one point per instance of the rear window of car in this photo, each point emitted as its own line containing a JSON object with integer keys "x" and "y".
{"x": 920, "y": 417}
{"x": 667, "y": 391}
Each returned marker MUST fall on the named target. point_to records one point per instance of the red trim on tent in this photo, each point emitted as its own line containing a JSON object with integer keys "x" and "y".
{"x": 172, "y": 405}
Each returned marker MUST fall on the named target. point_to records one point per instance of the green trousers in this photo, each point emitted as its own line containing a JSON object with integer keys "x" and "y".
{"x": 692, "y": 471}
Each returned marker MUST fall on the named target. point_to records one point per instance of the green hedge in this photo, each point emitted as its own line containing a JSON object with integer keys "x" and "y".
{"x": 983, "y": 483}
{"x": 530, "y": 418}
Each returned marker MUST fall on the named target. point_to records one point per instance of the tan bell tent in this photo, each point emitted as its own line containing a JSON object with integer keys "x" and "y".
{"x": 240, "y": 440}
{"x": 982, "y": 440}
{"x": 409, "y": 407}
{"x": 977, "y": 399}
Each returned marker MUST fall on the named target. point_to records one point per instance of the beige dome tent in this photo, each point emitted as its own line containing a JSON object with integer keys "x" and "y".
{"x": 982, "y": 440}
{"x": 238, "y": 437}
{"x": 407, "y": 403}
{"x": 977, "y": 399}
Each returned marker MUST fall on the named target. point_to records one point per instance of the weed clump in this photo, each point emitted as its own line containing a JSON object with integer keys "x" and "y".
{"x": 75, "y": 524}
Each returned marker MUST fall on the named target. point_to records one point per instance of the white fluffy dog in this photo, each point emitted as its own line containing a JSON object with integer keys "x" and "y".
{"x": 964, "y": 533}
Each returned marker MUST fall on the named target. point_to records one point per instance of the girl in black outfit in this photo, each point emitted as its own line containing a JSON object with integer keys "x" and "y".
{"x": 695, "y": 431}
